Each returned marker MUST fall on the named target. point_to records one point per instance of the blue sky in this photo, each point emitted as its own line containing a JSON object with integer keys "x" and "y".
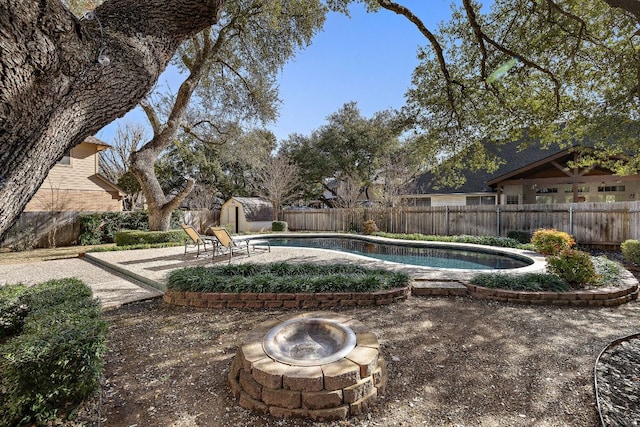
{"x": 367, "y": 58}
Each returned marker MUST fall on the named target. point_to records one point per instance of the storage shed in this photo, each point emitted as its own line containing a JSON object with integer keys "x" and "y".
{"x": 246, "y": 214}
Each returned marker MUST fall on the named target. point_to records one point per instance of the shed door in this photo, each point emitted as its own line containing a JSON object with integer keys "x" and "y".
{"x": 237, "y": 219}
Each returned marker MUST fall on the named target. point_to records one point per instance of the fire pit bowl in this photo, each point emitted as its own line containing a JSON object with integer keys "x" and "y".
{"x": 309, "y": 341}
{"x": 320, "y": 365}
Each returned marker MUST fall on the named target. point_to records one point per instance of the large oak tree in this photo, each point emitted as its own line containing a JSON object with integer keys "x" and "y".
{"x": 56, "y": 87}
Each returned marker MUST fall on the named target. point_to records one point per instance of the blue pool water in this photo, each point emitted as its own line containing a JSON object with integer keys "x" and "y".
{"x": 425, "y": 256}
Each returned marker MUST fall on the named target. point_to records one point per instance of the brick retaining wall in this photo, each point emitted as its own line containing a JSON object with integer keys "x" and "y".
{"x": 603, "y": 297}
{"x": 285, "y": 300}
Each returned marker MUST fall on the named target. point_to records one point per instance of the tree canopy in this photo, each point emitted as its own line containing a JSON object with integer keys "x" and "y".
{"x": 544, "y": 71}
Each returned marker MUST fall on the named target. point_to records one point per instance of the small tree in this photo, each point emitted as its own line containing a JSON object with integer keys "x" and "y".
{"x": 277, "y": 181}
{"x": 54, "y": 202}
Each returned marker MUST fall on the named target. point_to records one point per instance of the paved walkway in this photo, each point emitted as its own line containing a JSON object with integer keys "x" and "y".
{"x": 111, "y": 288}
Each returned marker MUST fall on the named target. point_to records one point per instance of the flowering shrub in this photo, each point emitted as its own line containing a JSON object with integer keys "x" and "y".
{"x": 551, "y": 242}
{"x": 370, "y": 227}
{"x": 631, "y": 251}
{"x": 574, "y": 267}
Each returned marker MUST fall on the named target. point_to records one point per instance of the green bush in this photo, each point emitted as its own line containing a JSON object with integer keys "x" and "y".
{"x": 503, "y": 242}
{"x": 279, "y": 226}
{"x": 90, "y": 233}
{"x": 551, "y": 242}
{"x": 13, "y": 309}
{"x": 284, "y": 278}
{"x": 523, "y": 237}
{"x": 57, "y": 358}
{"x": 631, "y": 251}
{"x": 102, "y": 227}
{"x": 133, "y": 237}
{"x": 522, "y": 282}
{"x": 574, "y": 267}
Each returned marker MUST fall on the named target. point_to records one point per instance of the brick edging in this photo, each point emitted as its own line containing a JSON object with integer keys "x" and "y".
{"x": 285, "y": 300}
{"x": 603, "y": 297}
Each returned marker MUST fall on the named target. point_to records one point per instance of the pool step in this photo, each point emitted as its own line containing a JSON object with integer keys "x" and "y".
{"x": 425, "y": 288}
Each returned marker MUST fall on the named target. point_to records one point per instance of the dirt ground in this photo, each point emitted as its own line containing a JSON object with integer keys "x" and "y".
{"x": 452, "y": 362}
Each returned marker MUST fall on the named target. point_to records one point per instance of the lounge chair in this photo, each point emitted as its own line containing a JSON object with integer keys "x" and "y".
{"x": 196, "y": 240}
{"x": 226, "y": 243}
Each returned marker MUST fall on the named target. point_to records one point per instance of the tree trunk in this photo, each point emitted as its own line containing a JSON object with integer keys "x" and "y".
{"x": 54, "y": 92}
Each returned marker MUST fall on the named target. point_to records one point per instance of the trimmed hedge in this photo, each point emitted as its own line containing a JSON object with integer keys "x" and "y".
{"x": 631, "y": 251}
{"x": 134, "y": 237}
{"x": 284, "y": 278}
{"x": 102, "y": 227}
{"x": 51, "y": 357}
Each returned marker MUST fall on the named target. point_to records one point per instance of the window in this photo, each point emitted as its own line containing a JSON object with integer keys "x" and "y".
{"x": 512, "y": 199}
{"x": 546, "y": 190}
{"x": 66, "y": 159}
{"x": 480, "y": 200}
{"x": 417, "y": 201}
{"x": 611, "y": 188}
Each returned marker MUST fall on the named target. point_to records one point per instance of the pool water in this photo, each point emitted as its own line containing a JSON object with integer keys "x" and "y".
{"x": 424, "y": 256}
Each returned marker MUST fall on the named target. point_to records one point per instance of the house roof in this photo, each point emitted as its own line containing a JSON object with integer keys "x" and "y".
{"x": 104, "y": 182}
{"x": 101, "y": 145}
{"x": 256, "y": 208}
{"x": 514, "y": 157}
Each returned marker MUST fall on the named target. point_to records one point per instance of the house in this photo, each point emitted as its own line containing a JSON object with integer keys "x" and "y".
{"x": 75, "y": 184}
{"x": 529, "y": 176}
{"x": 242, "y": 214}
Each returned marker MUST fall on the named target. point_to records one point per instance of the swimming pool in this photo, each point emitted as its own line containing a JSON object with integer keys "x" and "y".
{"x": 413, "y": 253}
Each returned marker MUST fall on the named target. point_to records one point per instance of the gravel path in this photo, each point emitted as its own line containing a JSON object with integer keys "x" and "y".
{"x": 618, "y": 379}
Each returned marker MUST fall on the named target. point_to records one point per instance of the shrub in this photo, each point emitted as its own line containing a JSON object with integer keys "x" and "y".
{"x": 57, "y": 359}
{"x": 284, "y": 278}
{"x": 522, "y": 282}
{"x": 133, "y": 237}
{"x": 90, "y": 233}
{"x": 523, "y": 237}
{"x": 573, "y": 266}
{"x": 370, "y": 227}
{"x": 279, "y": 226}
{"x": 13, "y": 309}
{"x": 102, "y": 227}
{"x": 631, "y": 251}
{"x": 551, "y": 242}
{"x": 503, "y": 242}
{"x": 608, "y": 272}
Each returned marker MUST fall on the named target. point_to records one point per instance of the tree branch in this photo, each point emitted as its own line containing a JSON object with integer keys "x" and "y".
{"x": 401, "y": 10}
{"x": 479, "y": 33}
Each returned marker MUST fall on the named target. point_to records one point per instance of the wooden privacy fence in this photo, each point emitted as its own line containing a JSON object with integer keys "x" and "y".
{"x": 590, "y": 223}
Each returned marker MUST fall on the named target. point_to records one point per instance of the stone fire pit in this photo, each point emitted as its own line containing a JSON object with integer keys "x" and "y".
{"x": 320, "y": 365}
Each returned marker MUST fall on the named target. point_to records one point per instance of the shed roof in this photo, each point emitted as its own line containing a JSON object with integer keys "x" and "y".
{"x": 256, "y": 208}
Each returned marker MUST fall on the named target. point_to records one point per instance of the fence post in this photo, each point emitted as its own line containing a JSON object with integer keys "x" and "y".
{"x": 446, "y": 220}
{"x": 498, "y": 221}
{"x": 571, "y": 220}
